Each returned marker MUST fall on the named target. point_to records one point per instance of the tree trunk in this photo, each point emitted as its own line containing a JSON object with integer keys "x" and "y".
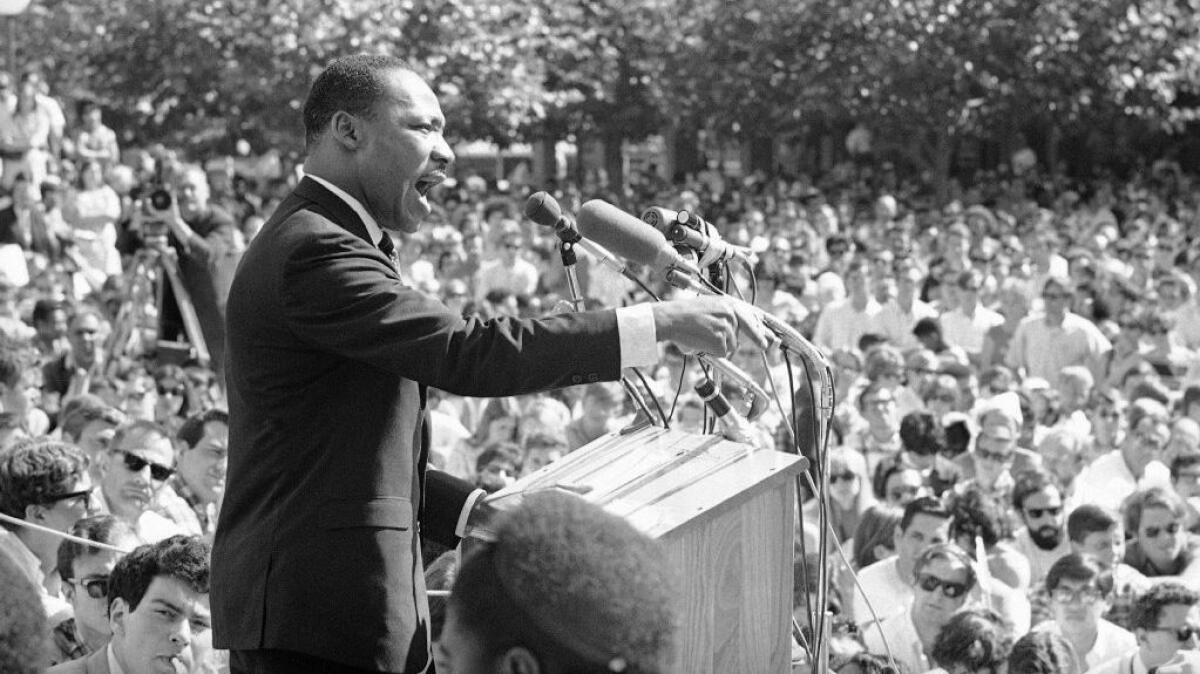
{"x": 614, "y": 160}
{"x": 940, "y": 164}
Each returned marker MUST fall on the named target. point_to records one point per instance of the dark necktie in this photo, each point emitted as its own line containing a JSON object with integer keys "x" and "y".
{"x": 389, "y": 249}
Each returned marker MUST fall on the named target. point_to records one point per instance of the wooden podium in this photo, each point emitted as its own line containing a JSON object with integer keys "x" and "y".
{"x": 725, "y": 515}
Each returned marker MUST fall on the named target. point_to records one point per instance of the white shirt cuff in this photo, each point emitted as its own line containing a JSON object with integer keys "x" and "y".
{"x": 460, "y": 529}
{"x": 639, "y": 338}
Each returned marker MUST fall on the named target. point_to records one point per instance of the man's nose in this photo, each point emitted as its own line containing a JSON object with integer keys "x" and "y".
{"x": 442, "y": 152}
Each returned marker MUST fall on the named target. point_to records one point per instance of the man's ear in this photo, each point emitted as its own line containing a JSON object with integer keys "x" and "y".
{"x": 118, "y": 611}
{"x": 345, "y": 128}
{"x": 68, "y": 590}
{"x": 35, "y": 512}
{"x": 518, "y": 660}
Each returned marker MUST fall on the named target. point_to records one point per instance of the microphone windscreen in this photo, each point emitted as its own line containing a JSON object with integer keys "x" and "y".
{"x": 622, "y": 233}
{"x": 543, "y": 209}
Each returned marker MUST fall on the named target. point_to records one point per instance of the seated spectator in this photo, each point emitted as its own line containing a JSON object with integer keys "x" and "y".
{"x": 974, "y": 641}
{"x": 599, "y": 410}
{"x": 887, "y": 585}
{"x": 1159, "y": 544}
{"x": 1080, "y": 590}
{"x": 1166, "y": 620}
{"x": 198, "y": 484}
{"x": 1040, "y": 652}
{"x": 90, "y": 424}
{"x": 897, "y": 482}
{"x": 1038, "y": 502}
{"x": 541, "y": 450}
{"x": 879, "y": 438}
{"x": 45, "y": 483}
{"x": 23, "y": 626}
{"x": 1185, "y": 480}
{"x": 518, "y": 603}
{"x": 84, "y": 571}
{"x": 875, "y": 537}
{"x": 133, "y": 470}
{"x": 498, "y": 466}
{"x": 158, "y": 611}
{"x": 943, "y": 577}
{"x": 848, "y": 498}
{"x": 923, "y": 439}
{"x": 1110, "y": 479}
{"x": 978, "y": 519}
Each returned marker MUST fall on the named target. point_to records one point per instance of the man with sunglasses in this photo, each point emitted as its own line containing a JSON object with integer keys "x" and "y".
{"x": 887, "y": 585}
{"x": 1160, "y": 546}
{"x": 1080, "y": 591}
{"x": 1166, "y": 622}
{"x": 132, "y": 471}
{"x": 85, "y": 572}
{"x": 943, "y": 578}
{"x": 1038, "y": 499}
{"x": 1137, "y": 464}
{"x": 45, "y": 483}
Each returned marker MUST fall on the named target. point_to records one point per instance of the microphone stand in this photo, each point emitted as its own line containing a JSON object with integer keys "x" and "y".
{"x": 566, "y": 250}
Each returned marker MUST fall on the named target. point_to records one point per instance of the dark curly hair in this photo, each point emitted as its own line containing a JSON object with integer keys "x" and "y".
{"x": 184, "y": 558}
{"x": 1041, "y": 652}
{"x": 974, "y": 513}
{"x": 976, "y": 638}
{"x": 1147, "y": 609}
{"x": 579, "y": 587}
{"x": 34, "y": 471}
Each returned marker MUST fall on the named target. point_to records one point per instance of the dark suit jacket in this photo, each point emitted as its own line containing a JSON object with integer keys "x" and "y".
{"x": 316, "y": 548}
{"x": 96, "y": 663}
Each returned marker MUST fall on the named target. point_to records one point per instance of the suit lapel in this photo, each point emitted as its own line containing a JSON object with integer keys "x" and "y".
{"x": 340, "y": 211}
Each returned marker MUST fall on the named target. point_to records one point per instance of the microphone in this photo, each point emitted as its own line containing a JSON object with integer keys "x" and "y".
{"x": 688, "y": 229}
{"x": 544, "y": 210}
{"x": 631, "y": 238}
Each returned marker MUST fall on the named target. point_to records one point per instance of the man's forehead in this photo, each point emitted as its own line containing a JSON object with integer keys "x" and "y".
{"x": 174, "y": 593}
{"x": 412, "y": 93}
{"x": 928, "y": 523}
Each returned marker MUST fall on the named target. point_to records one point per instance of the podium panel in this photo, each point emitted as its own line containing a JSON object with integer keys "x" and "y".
{"x": 724, "y": 514}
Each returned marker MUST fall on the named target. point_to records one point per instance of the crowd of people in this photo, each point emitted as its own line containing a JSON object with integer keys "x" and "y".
{"x": 1015, "y": 449}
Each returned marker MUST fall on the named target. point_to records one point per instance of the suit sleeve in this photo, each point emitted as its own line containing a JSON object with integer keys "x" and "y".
{"x": 447, "y": 496}
{"x": 340, "y": 294}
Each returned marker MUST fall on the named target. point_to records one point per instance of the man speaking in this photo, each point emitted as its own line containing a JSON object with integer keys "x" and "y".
{"x": 316, "y": 562}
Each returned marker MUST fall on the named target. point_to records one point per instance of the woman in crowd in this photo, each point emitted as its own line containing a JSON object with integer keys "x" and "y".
{"x": 848, "y": 497}
{"x": 92, "y": 210}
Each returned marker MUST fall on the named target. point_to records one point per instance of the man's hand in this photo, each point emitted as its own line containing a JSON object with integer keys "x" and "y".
{"x": 709, "y": 324}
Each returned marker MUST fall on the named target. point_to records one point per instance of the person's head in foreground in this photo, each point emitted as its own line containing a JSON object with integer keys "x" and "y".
{"x": 158, "y": 607}
{"x": 565, "y": 587}
{"x": 1041, "y": 652}
{"x": 1165, "y": 620}
{"x": 974, "y": 641}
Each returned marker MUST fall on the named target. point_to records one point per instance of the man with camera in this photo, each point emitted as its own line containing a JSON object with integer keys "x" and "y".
{"x": 205, "y": 241}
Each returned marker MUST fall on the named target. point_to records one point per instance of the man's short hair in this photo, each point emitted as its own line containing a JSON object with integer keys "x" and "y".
{"x": 192, "y": 430}
{"x": 504, "y": 451}
{"x": 927, "y": 326}
{"x": 1147, "y": 609}
{"x": 1081, "y": 568}
{"x": 23, "y": 628}
{"x": 1088, "y": 519}
{"x": 35, "y": 471}
{"x": 921, "y": 433}
{"x": 1041, "y": 652}
{"x": 138, "y": 428}
{"x": 977, "y": 515}
{"x": 977, "y": 639}
{"x": 83, "y": 410}
{"x": 44, "y": 308}
{"x": 351, "y": 83}
{"x": 949, "y": 552}
{"x": 99, "y": 528}
{"x": 923, "y": 505}
{"x": 1153, "y": 497}
{"x": 1029, "y": 482}
{"x": 577, "y": 586}
{"x": 184, "y": 558}
{"x": 1191, "y": 396}
{"x": 1187, "y": 459}
{"x": 1141, "y": 407}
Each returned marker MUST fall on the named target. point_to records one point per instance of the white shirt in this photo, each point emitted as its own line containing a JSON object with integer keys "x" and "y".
{"x": 57, "y": 608}
{"x": 1044, "y": 350}
{"x": 888, "y": 593}
{"x": 1107, "y": 481}
{"x": 968, "y": 331}
{"x": 898, "y": 322}
{"x": 840, "y": 324}
{"x": 1111, "y": 641}
{"x": 1040, "y": 560}
{"x": 902, "y": 639}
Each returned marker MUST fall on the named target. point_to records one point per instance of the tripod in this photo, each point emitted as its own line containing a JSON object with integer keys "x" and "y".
{"x": 157, "y": 318}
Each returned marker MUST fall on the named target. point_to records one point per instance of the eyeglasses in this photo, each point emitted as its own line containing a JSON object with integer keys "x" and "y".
{"x": 171, "y": 390}
{"x": 83, "y": 496}
{"x": 136, "y": 464}
{"x": 1035, "y": 513}
{"x": 1152, "y": 439}
{"x": 1065, "y": 595}
{"x": 951, "y": 590}
{"x": 899, "y": 493}
{"x": 1108, "y": 414}
{"x": 1171, "y": 529}
{"x": 95, "y": 586}
{"x": 998, "y": 457}
{"x": 942, "y": 398}
{"x": 848, "y": 476}
{"x": 1183, "y": 633}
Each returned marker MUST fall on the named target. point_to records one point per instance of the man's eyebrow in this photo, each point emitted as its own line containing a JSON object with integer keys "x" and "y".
{"x": 168, "y": 604}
